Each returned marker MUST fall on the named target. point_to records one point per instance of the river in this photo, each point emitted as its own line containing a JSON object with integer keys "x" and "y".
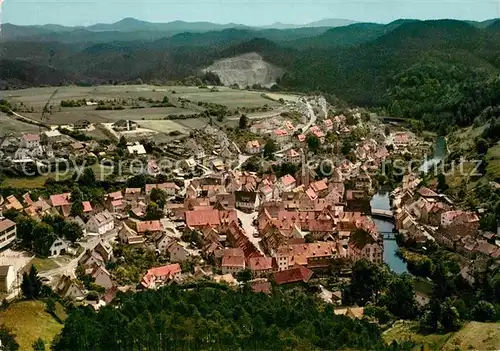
{"x": 382, "y": 201}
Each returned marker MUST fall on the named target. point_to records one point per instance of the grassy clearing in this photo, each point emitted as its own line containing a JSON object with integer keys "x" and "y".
{"x": 493, "y": 158}
{"x": 473, "y": 336}
{"x": 464, "y": 138}
{"x": 44, "y": 264}
{"x": 408, "y": 331}
{"x": 476, "y": 336}
{"x": 29, "y": 321}
{"x": 11, "y": 125}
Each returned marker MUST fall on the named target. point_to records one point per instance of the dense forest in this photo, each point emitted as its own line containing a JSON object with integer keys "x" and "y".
{"x": 216, "y": 317}
{"x": 444, "y": 72}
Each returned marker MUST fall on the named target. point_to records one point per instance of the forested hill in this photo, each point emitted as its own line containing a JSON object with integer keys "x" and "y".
{"x": 412, "y": 68}
{"x": 216, "y": 318}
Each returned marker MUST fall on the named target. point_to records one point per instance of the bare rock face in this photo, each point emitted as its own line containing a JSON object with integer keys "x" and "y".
{"x": 246, "y": 69}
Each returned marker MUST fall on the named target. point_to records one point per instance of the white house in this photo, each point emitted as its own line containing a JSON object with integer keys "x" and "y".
{"x": 137, "y": 149}
{"x": 58, "y": 247}
{"x": 30, "y": 141}
{"x": 245, "y": 200}
{"x": 101, "y": 223}
{"x": 7, "y": 278}
{"x": 7, "y": 232}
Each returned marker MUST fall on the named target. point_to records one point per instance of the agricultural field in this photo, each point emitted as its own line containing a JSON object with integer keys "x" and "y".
{"x": 11, "y": 125}
{"x": 30, "y": 103}
{"x": 183, "y": 126}
{"x": 29, "y": 321}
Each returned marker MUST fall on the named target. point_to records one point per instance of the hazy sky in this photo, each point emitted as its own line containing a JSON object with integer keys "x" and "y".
{"x": 250, "y": 12}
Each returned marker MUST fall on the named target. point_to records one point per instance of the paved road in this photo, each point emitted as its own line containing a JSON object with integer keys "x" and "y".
{"x": 312, "y": 117}
{"x": 246, "y": 221}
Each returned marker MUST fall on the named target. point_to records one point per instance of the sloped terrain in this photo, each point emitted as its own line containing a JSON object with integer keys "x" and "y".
{"x": 246, "y": 69}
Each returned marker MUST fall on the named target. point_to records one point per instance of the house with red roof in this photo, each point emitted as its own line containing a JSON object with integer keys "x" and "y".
{"x": 292, "y": 156}
{"x": 260, "y": 266}
{"x": 280, "y": 136}
{"x": 158, "y": 276}
{"x": 30, "y": 141}
{"x": 253, "y": 147}
{"x": 287, "y": 183}
{"x": 209, "y": 218}
{"x": 296, "y": 274}
{"x": 61, "y": 202}
{"x": 152, "y": 227}
{"x": 232, "y": 264}
{"x": 87, "y": 207}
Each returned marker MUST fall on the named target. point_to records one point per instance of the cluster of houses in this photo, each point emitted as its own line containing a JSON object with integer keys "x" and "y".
{"x": 423, "y": 215}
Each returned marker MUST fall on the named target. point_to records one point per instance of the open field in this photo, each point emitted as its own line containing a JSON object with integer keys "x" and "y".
{"x": 476, "y": 336}
{"x": 11, "y": 125}
{"x": 29, "y": 321}
{"x": 71, "y": 115}
{"x": 44, "y": 264}
{"x": 183, "y": 126}
{"x": 473, "y": 335}
{"x": 493, "y": 158}
{"x": 229, "y": 97}
{"x": 36, "y": 98}
{"x": 38, "y": 182}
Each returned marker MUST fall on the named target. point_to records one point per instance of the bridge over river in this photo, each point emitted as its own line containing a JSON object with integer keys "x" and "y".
{"x": 385, "y": 214}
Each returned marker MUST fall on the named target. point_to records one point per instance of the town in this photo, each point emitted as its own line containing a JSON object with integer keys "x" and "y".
{"x": 275, "y": 202}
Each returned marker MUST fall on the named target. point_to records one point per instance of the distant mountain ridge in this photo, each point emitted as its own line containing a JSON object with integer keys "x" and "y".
{"x": 153, "y": 30}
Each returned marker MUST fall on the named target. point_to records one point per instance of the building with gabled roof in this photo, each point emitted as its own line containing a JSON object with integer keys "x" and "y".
{"x": 101, "y": 223}
{"x": 296, "y": 274}
{"x": 158, "y": 276}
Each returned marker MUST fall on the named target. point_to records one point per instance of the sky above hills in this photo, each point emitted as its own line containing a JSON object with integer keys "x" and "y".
{"x": 248, "y": 12}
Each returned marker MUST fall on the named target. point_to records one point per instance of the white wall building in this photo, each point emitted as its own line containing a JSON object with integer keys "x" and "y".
{"x": 101, "y": 223}
{"x": 7, "y": 232}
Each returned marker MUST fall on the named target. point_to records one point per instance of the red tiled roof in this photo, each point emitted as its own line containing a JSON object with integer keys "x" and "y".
{"x": 263, "y": 287}
{"x": 260, "y": 263}
{"x": 31, "y": 137}
{"x": 293, "y": 275}
{"x": 159, "y": 272}
{"x": 319, "y": 186}
{"x": 287, "y": 180}
{"x": 151, "y": 226}
{"x": 6, "y": 224}
{"x": 117, "y": 195}
{"x": 210, "y": 217}
{"x": 233, "y": 261}
{"x": 426, "y": 192}
{"x": 87, "y": 207}
{"x": 60, "y": 199}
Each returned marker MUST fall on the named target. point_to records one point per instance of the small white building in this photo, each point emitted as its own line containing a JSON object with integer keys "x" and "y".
{"x": 59, "y": 246}
{"x": 245, "y": 200}
{"x": 137, "y": 149}
{"x": 233, "y": 264}
{"x": 7, "y": 278}
{"x": 101, "y": 223}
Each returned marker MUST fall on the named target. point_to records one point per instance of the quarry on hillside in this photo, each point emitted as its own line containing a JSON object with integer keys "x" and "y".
{"x": 246, "y": 69}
